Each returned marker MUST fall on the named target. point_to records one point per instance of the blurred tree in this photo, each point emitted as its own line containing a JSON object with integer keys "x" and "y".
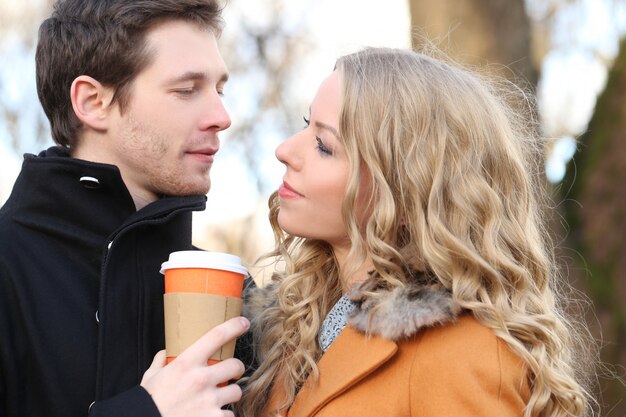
{"x": 595, "y": 210}
{"x": 479, "y": 33}
{"x": 263, "y": 46}
{"x": 23, "y": 124}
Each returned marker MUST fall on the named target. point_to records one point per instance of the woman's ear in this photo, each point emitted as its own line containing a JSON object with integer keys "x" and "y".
{"x": 91, "y": 102}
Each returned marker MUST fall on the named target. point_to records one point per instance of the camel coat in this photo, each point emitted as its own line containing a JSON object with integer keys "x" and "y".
{"x": 426, "y": 358}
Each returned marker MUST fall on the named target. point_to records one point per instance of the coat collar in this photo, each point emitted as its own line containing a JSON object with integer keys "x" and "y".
{"x": 375, "y": 328}
{"x": 55, "y": 186}
{"x": 381, "y": 320}
{"x": 65, "y": 197}
{"x": 394, "y": 314}
{"x": 350, "y": 358}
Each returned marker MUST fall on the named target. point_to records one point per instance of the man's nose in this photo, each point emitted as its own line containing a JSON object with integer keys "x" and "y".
{"x": 216, "y": 117}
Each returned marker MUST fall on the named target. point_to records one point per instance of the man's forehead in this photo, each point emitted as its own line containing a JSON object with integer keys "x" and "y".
{"x": 181, "y": 49}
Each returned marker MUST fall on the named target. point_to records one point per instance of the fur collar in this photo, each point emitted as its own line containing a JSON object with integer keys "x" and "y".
{"x": 392, "y": 314}
{"x": 401, "y": 312}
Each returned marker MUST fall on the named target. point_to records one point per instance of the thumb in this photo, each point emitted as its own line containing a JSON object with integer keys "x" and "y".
{"x": 160, "y": 359}
{"x": 158, "y": 362}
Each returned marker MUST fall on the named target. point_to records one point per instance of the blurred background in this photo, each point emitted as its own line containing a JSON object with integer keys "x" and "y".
{"x": 570, "y": 53}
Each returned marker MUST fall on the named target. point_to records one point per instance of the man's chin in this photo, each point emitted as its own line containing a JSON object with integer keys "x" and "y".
{"x": 188, "y": 189}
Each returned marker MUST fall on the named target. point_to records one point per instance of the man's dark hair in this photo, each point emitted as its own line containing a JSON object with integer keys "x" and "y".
{"x": 106, "y": 40}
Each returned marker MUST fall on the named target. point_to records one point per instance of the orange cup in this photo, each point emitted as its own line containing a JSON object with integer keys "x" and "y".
{"x": 202, "y": 290}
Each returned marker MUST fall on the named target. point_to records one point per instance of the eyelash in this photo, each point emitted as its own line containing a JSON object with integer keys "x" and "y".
{"x": 186, "y": 92}
{"x": 321, "y": 148}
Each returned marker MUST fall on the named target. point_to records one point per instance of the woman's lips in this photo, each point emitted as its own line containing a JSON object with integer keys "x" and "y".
{"x": 286, "y": 191}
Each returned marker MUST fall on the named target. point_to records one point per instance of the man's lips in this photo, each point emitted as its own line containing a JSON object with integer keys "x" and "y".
{"x": 286, "y": 191}
{"x": 204, "y": 154}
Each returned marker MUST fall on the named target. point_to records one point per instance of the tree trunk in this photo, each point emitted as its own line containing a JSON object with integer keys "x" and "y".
{"x": 595, "y": 209}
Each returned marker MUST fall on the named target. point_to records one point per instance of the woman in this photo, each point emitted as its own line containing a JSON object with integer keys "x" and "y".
{"x": 418, "y": 278}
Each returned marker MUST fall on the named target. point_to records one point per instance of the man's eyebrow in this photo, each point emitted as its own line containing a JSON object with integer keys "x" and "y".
{"x": 327, "y": 127}
{"x": 194, "y": 76}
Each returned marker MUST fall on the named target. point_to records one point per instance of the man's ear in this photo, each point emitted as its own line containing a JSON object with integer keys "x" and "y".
{"x": 91, "y": 102}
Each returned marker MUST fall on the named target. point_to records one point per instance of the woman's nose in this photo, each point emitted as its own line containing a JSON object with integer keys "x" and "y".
{"x": 289, "y": 152}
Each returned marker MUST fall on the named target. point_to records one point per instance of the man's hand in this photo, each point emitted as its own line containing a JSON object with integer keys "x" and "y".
{"x": 187, "y": 387}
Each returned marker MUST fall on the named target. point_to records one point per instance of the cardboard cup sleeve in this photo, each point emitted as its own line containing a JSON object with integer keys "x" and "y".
{"x": 188, "y": 316}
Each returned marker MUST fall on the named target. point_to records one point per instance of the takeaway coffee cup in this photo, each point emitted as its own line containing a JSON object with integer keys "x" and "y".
{"x": 202, "y": 290}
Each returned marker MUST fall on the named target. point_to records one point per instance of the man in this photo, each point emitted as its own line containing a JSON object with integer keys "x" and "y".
{"x": 133, "y": 93}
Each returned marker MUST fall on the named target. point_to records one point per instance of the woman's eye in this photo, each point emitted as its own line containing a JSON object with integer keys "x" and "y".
{"x": 307, "y": 122}
{"x": 321, "y": 148}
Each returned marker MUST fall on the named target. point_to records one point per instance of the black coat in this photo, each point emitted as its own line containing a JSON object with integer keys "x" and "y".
{"x": 81, "y": 296}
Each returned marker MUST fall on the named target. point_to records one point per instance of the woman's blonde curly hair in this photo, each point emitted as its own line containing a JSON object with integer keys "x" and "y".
{"x": 456, "y": 191}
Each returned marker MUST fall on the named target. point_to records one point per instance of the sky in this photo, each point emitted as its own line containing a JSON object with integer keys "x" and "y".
{"x": 574, "y": 73}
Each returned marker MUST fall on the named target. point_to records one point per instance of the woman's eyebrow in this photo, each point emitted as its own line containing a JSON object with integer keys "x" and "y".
{"x": 331, "y": 129}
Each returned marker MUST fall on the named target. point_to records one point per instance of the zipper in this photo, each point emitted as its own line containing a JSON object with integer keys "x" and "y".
{"x": 103, "y": 267}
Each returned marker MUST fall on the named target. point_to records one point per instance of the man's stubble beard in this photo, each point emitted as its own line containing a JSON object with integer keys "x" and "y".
{"x": 150, "y": 153}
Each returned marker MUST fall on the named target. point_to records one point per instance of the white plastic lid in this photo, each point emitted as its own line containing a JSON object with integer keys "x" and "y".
{"x": 204, "y": 259}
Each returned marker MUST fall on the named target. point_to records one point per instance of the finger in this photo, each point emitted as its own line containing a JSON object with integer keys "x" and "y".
{"x": 158, "y": 362}
{"x": 221, "y": 373}
{"x": 160, "y": 359}
{"x": 200, "y": 351}
{"x": 229, "y": 394}
{"x": 224, "y": 371}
